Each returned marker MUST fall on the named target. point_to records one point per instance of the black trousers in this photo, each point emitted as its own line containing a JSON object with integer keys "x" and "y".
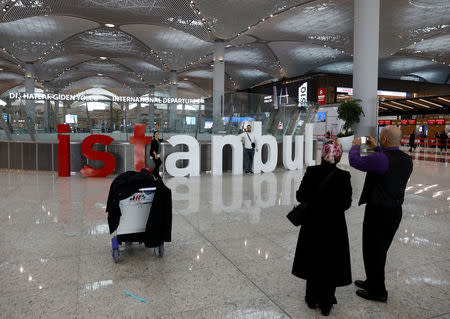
{"x": 157, "y": 162}
{"x": 379, "y": 227}
{"x": 320, "y": 291}
{"x": 443, "y": 145}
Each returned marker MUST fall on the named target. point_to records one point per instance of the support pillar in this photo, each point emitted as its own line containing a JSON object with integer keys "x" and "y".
{"x": 30, "y": 110}
{"x": 138, "y": 113}
{"x": 111, "y": 123}
{"x": 173, "y": 91}
{"x": 365, "y": 63}
{"x": 47, "y": 116}
{"x": 218, "y": 85}
{"x": 151, "y": 109}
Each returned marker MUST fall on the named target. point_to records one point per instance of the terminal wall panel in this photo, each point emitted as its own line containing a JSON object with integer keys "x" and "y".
{"x": 4, "y": 155}
{"x": 77, "y": 160}
{"x": 205, "y": 157}
{"x": 44, "y": 157}
{"x": 29, "y": 156}
{"x": 15, "y": 155}
{"x": 129, "y": 157}
{"x": 118, "y": 150}
{"x": 55, "y": 157}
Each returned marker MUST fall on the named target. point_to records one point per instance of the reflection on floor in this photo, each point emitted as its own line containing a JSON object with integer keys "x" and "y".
{"x": 429, "y": 154}
{"x": 231, "y": 253}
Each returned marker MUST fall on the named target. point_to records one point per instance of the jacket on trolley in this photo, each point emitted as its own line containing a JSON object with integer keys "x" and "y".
{"x": 159, "y": 223}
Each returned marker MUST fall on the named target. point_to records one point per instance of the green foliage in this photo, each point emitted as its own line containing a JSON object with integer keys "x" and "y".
{"x": 349, "y": 111}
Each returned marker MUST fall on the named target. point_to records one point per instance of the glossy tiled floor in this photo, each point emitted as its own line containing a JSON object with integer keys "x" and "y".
{"x": 230, "y": 257}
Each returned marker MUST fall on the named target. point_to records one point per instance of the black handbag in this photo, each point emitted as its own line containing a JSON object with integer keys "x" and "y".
{"x": 301, "y": 213}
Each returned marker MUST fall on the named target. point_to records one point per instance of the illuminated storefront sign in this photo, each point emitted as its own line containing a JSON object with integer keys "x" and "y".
{"x": 349, "y": 91}
{"x": 94, "y": 98}
{"x": 303, "y": 94}
{"x": 322, "y": 96}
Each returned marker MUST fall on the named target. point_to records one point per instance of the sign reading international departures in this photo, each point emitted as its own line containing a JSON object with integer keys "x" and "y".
{"x": 93, "y": 98}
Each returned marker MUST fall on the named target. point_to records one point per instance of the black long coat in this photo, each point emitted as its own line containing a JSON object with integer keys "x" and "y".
{"x": 322, "y": 248}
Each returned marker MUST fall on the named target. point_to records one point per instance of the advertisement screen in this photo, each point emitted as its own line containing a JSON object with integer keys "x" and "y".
{"x": 321, "y": 116}
{"x": 208, "y": 124}
{"x": 191, "y": 120}
{"x": 71, "y": 119}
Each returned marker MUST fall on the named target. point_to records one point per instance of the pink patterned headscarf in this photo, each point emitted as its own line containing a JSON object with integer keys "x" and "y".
{"x": 330, "y": 151}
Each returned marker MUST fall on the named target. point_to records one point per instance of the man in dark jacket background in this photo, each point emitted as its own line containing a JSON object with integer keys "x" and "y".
{"x": 388, "y": 171}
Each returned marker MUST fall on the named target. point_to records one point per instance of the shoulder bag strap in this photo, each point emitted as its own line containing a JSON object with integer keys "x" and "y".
{"x": 249, "y": 137}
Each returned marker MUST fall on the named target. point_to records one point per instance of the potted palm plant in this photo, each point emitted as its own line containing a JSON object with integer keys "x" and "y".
{"x": 349, "y": 111}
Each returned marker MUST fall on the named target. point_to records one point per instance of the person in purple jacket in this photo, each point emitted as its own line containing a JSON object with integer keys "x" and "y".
{"x": 388, "y": 170}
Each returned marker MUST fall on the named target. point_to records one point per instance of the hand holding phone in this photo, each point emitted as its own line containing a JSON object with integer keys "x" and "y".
{"x": 363, "y": 140}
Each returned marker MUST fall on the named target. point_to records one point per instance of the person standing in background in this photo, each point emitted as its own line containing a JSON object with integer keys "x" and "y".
{"x": 443, "y": 141}
{"x": 155, "y": 149}
{"x": 388, "y": 170}
{"x": 248, "y": 139}
{"x": 436, "y": 139}
{"x": 412, "y": 141}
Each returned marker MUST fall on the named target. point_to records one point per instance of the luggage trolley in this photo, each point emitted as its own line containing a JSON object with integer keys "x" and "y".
{"x": 135, "y": 211}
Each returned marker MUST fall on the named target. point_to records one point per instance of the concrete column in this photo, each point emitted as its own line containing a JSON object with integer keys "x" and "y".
{"x": 48, "y": 115}
{"x": 30, "y": 110}
{"x": 173, "y": 106}
{"x": 365, "y": 63}
{"x": 138, "y": 113}
{"x": 64, "y": 111}
{"x": 218, "y": 85}
{"x": 151, "y": 109}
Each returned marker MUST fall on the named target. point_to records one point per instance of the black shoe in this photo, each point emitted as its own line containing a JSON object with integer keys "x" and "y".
{"x": 362, "y": 284}
{"x": 311, "y": 303}
{"x": 325, "y": 311}
{"x": 367, "y": 295}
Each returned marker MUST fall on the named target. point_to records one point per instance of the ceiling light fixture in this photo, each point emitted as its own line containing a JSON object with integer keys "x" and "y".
{"x": 103, "y": 58}
{"x": 430, "y": 103}
{"x": 109, "y": 25}
{"x": 423, "y": 105}
{"x": 403, "y": 105}
{"x": 100, "y": 74}
{"x": 441, "y": 98}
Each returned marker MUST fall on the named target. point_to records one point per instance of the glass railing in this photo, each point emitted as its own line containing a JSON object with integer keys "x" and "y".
{"x": 37, "y": 119}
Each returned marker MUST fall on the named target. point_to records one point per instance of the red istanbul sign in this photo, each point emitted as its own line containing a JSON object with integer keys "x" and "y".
{"x": 411, "y": 122}
{"x": 404, "y": 122}
{"x": 139, "y": 140}
{"x": 440, "y": 121}
{"x": 431, "y": 122}
{"x": 322, "y": 96}
{"x": 381, "y": 122}
{"x": 387, "y": 122}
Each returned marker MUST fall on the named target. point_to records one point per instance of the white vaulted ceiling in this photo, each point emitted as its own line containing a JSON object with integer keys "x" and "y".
{"x": 71, "y": 47}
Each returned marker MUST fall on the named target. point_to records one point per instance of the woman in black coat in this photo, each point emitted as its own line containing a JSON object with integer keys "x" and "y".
{"x": 322, "y": 256}
{"x": 154, "y": 152}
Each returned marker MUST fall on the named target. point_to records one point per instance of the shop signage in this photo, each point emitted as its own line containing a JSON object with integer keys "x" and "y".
{"x": 322, "y": 96}
{"x": 303, "y": 94}
{"x": 404, "y": 122}
{"x": 381, "y": 122}
{"x": 440, "y": 121}
{"x": 387, "y": 122}
{"x": 93, "y": 98}
{"x": 431, "y": 122}
{"x": 349, "y": 91}
{"x": 411, "y": 122}
{"x": 303, "y": 152}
